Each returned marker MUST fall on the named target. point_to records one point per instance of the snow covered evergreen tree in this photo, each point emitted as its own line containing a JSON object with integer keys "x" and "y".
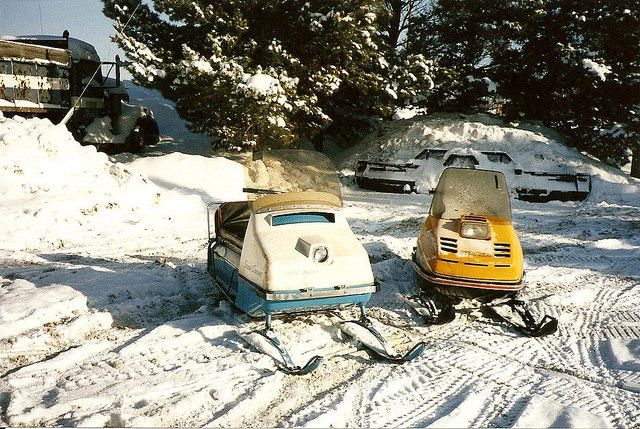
{"x": 410, "y": 74}
{"x": 574, "y": 64}
{"x": 462, "y": 37}
{"x": 255, "y": 72}
{"x": 578, "y": 68}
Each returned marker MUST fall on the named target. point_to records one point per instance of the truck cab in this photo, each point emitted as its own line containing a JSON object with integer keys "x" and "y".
{"x": 47, "y": 76}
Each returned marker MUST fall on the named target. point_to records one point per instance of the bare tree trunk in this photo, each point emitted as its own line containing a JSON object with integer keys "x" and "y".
{"x": 635, "y": 163}
{"x": 395, "y": 25}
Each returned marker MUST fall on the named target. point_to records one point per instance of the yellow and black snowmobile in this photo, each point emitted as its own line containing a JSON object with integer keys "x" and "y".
{"x": 468, "y": 249}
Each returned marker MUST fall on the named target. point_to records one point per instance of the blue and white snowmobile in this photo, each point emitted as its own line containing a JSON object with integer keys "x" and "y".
{"x": 290, "y": 249}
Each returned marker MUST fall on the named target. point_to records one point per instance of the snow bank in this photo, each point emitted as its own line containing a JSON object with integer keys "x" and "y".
{"x": 214, "y": 179}
{"x": 56, "y": 193}
{"x": 25, "y": 307}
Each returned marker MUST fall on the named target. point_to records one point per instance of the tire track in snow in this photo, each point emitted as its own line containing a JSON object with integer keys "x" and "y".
{"x": 623, "y": 319}
{"x": 578, "y": 355}
{"x": 561, "y": 360}
{"x": 519, "y": 377}
{"x": 421, "y": 401}
{"x": 625, "y": 264}
{"x": 554, "y": 357}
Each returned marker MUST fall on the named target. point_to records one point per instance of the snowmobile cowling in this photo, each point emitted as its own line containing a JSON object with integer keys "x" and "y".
{"x": 290, "y": 249}
{"x": 467, "y": 246}
{"x": 274, "y": 239}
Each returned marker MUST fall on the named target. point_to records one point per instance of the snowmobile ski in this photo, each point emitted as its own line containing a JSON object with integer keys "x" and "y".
{"x": 429, "y": 311}
{"x": 528, "y": 326}
{"x": 287, "y": 366}
{"x": 380, "y": 346}
{"x": 432, "y": 314}
{"x": 375, "y": 342}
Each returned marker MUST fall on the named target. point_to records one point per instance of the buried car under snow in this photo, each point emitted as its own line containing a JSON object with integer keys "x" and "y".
{"x": 468, "y": 249}
{"x": 290, "y": 249}
{"x": 420, "y": 175}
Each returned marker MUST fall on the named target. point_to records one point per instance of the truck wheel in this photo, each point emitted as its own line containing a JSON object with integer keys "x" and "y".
{"x": 150, "y": 132}
{"x": 135, "y": 141}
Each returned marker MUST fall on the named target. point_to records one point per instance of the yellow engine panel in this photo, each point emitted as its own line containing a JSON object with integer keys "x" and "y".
{"x": 443, "y": 251}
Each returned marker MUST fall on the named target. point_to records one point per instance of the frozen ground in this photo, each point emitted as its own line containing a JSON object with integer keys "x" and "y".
{"x": 107, "y": 317}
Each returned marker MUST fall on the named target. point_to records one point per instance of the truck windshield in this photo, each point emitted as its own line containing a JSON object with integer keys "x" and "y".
{"x": 462, "y": 191}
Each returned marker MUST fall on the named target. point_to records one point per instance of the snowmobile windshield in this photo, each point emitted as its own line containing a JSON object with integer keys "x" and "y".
{"x": 288, "y": 170}
{"x": 462, "y": 191}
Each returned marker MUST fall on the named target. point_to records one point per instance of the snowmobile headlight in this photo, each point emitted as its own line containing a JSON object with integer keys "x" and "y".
{"x": 477, "y": 230}
{"x": 314, "y": 247}
{"x": 320, "y": 254}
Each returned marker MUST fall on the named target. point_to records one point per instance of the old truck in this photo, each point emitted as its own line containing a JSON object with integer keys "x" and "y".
{"x": 64, "y": 80}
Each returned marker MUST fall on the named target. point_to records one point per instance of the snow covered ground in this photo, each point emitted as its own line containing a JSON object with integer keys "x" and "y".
{"x": 108, "y": 318}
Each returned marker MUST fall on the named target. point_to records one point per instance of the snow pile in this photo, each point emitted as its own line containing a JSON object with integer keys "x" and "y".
{"x": 403, "y": 140}
{"x": 213, "y": 179}
{"x": 21, "y": 300}
{"x": 56, "y": 193}
{"x": 292, "y": 171}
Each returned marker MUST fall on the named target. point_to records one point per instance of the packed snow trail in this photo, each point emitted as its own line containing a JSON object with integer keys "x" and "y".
{"x": 174, "y": 356}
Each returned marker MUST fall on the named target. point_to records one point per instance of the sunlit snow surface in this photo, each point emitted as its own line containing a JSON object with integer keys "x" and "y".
{"x": 107, "y": 316}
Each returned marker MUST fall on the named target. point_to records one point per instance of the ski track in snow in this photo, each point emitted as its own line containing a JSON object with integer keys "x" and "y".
{"x": 176, "y": 354}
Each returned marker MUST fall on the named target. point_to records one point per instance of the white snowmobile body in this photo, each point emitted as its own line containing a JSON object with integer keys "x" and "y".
{"x": 291, "y": 251}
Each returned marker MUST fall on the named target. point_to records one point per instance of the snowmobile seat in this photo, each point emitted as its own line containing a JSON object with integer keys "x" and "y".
{"x": 231, "y": 222}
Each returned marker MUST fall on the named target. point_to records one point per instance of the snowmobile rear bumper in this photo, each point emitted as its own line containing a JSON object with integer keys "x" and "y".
{"x": 484, "y": 290}
{"x": 258, "y": 302}
{"x": 545, "y": 187}
{"x": 386, "y": 185}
